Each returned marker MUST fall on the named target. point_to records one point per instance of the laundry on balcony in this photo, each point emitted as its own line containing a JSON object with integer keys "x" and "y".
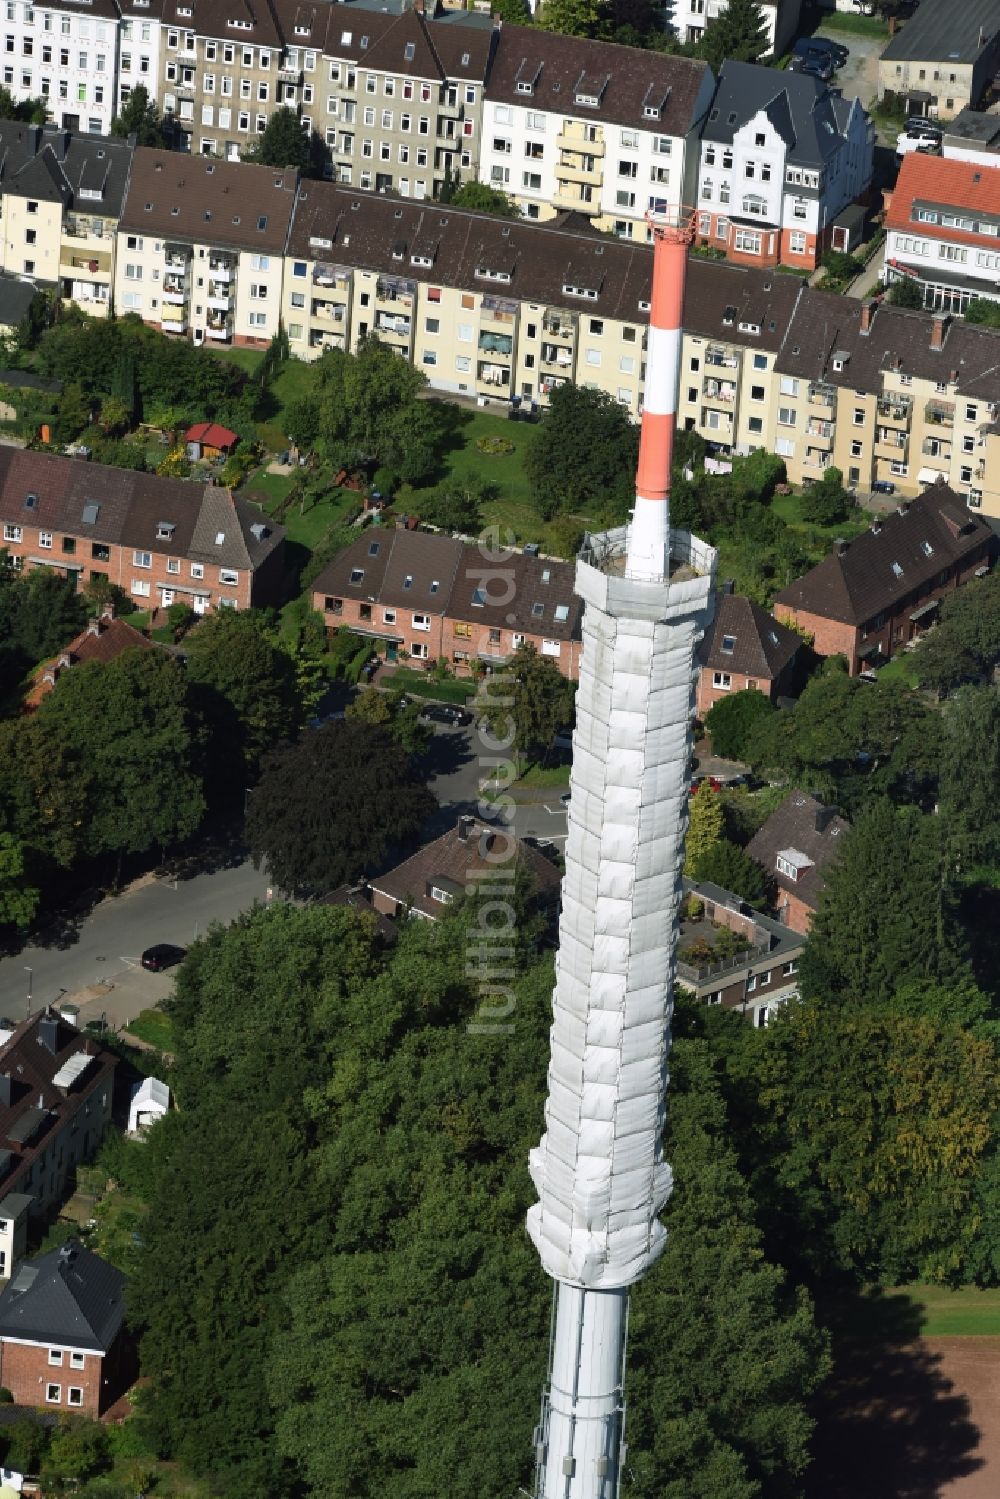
{"x": 494, "y": 374}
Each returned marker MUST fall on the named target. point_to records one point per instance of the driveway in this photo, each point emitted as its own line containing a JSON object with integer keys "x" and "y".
{"x": 859, "y": 75}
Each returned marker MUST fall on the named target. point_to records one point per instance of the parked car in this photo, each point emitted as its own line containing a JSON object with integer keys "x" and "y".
{"x": 162, "y": 955}
{"x": 918, "y": 138}
{"x": 565, "y": 798}
{"x": 705, "y": 783}
{"x": 883, "y": 486}
{"x": 817, "y": 65}
{"x": 818, "y": 46}
{"x": 445, "y": 713}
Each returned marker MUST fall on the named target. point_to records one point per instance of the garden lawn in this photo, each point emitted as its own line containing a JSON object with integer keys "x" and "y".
{"x": 545, "y": 775}
{"x": 899, "y": 669}
{"x": 788, "y": 507}
{"x": 426, "y": 684}
{"x": 967, "y": 1311}
{"x": 247, "y": 359}
{"x": 154, "y": 1027}
{"x": 514, "y": 511}
{"x": 854, "y": 25}
{"x": 306, "y": 527}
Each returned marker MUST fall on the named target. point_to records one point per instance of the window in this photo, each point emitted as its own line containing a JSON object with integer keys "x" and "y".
{"x": 55, "y": 1356}
{"x": 785, "y": 867}
{"x": 228, "y": 576}
{"x": 550, "y": 648}
{"x": 421, "y": 621}
{"x": 722, "y": 680}
{"x": 728, "y": 644}
{"x": 53, "y": 1393}
{"x": 786, "y": 416}
{"x": 748, "y": 241}
{"x": 419, "y": 649}
{"x": 859, "y": 416}
{"x": 12, "y": 533}
{"x": 142, "y": 559}
{"x": 45, "y": 540}
{"x": 197, "y": 570}
{"x": 141, "y": 588}
{"x": 75, "y": 1395}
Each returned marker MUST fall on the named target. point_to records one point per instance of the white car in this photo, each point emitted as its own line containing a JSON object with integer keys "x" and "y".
{"x": 918, "y": 138}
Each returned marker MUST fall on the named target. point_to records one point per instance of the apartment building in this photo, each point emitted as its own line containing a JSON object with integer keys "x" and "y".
{"x": 201, "y": 245}
{"x": 942, "y": 60}
{"x": 426, "y": 597}
{"x": 484, "y": 306}
{"x": 219, "y": 64}
{"x": 61, "y": 195}
{"x": 66, "y": 54}
{"x": 890, "y": 395}
{"x": 688, "y": 19}
{"x": 139, "y": 47}
{"x": 602, "y": 130}
{"x": 781, "y": 155}
{"x": 399, "y": 99}
{"x": 735, "y": 320}
{"x": 942, "y": 226}
{"x": 756, "y": 980}
{"x": 162, "y": 540}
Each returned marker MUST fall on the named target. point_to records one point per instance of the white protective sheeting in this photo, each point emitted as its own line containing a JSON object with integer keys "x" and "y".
{"x": 599, "y": 1168}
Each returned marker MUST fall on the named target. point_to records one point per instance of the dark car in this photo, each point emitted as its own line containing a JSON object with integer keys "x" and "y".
{"x": 817, "y": 65}
{"x": 445, "y": 713}
{"x": 162, "y": 955}
{"x": 883, "y": 486}
{"x": 808, "y": 47}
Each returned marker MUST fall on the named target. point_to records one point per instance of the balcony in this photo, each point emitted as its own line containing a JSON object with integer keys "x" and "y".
{"x": 579, "y": 168}
{"x": 891, "y": 446}
{"x": 932, "y": 447}
{"x": 221, "y": 330}
{"x": 322, "y": 338}
{"x": 393, "y": 327}
{"x": 85, "y": 265}
{"x": 184, "y": 90}
{"x": 722, "y": 423}
{"x": 717, "y": 390}
{"x": 561, "y": 329}
{"x": 816, "y": 427}
{"x": 219, "y": 301}
{"x": 90, "y": 230}
{"x": 493, "y": 376}
{"x": 574, "y": 138}
{"x": 500, "y": 345}
{"x": 895, "y": 409}
{"x": 720, "y": 359}
{"x": 573, "y": 194}
{"x": 173, "y": 320}
{"x": 940, "y": 413}
{"x": 394, "y": 292}
{"x": 176, "y": 260}
{"x": 330, "y": 277}
{"x": 821, "y": 394}
{"x": 499, "y": 310}
{"x": 221, "y": 270}
{"x": 329, "y": 312}
{"x": 289, "y": 75}
{"x": 555, "y": 355}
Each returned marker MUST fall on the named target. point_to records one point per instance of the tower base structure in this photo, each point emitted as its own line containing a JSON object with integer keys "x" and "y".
{"x": 599, "y": 1168}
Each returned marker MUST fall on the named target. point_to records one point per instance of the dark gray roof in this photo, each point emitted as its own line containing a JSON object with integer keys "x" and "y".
{"x": 974, "y": 125}
{"x": 738, "y": 304}
{"x": 15, "y": 299}
{"x": 809, "y": 118}
{"x": 804, "y": 824}
{"x": 84, "y": 172}
{"x": 941, "y": 31}
{"x": 69, "y": 1297}
{"x": 758, "y": 645}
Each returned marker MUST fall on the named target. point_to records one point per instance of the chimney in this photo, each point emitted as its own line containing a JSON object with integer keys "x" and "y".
{"x": 821, "y": 817}
{"x": 5, "y": 1090}
{"x": 939, "y": 327}
{"x": 840, "y": 546}
{"x": 418, "y": 7}
{"x": 876, "y": 528}
{"x": 465, "y": 825}
{"x": 727, "y": 586}
{"x": 108, "y": 612}
{"x": 868, "y": 311}
{"x": 48, "y": 1032}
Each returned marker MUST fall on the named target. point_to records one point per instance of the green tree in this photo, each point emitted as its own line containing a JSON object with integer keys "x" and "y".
{"x": 78, "y": 1451}
{"x": 530, "y": 699}
{"x": 302, "y": 421}
{"x": 140, "y": 117}
{"x": 369, "y": 410}
{"x": 706, "y": 825}
{"x": 970, "y": 775}
{"x": 384, "y": 710}
{"x": 333, "y": 805}
{"x": 573, "y": 17}
{"x": 966, "y": 641}
{"x": 884, "y": 917}
{"x": 875, "y": 1122}
{"x": 99, "y": 593}
{"x": 140, "y": 785}
{"x": 479, "y": 197}
{"x": 984, "y": 311}
{"x": 244, "y": 686}
{"x": 727, "y": 865}
{"x": 511, "y": 12}
{"x": 739, "y": 34}
{"x": 827, "y": 502}
{"x": 732, "y": 720}
{"x": 583, "y": 456}
{"x": 906, "y": 293}
{"x": 457, "y": 506}
{"x": 723, "y": 1352}
{"x": 18, "y": 899}
{"x": 283, "y": 143}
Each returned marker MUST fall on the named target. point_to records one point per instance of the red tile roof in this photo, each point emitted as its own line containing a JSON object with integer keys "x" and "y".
{"x": 211, "y": 435}
{"x": 102, "y": 640}
{"x": 945, "y": 183}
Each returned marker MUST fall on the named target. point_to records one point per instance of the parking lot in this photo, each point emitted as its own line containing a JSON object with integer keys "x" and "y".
{"x": 859, "y": 75}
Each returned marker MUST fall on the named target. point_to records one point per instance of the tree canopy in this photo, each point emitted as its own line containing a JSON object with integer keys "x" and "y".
{"x": 140, "y": 116}
{"x": 367, "y": 410}
{"x": 333, "y": 805}
{"x": 739, "y": 33}
{"x": 529, "y": 702}
{"x": 284, "y": 143}
{"x": 583, "y": 456}
{"x": 732, "y": 720}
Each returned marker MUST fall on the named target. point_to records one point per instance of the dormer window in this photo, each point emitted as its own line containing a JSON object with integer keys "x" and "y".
{"x": 165, "y": 530}
{"x": 897, "y": 570}
{"x": 651, "y": 112}
{"x": 408, "y": 581}
{"x": 927, "y": 549}
{"x": 728, "y": 644}
{"x": 410, "y": 51}
{"x": 357, "y": 575}
{"x": 478, "y": 598}
{"x": 526, "y": 88}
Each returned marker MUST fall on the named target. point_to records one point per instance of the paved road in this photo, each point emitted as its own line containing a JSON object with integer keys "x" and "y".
{"x": 98, "y": 965}
{"x": 105, "y": 951}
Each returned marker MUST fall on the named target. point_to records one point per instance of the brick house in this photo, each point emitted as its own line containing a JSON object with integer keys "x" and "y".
{"x": 793, "y": 847}
{"x": 429, "y": 596}
{"x": 871, "y": 596}
{"x": 745, "y": 647}
{"x": 55, "y": 1104}
{"x": 103, "y": 640}
{"x": 62, "y": 1337}
{"x": 431, "y": 878}
{"x": 161, "y": 540}
{"x": 754, "y": 981}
